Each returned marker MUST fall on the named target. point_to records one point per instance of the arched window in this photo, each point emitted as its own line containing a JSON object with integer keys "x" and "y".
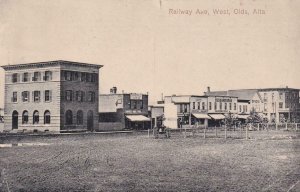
{"x": 79, "y": 117}
{"x": 25, "y": 117}
{"x": 69, "y": 117}
{"x": 36, "y": 117}
{"x": 15, "y": 116}
{"x": 47, "y": 117}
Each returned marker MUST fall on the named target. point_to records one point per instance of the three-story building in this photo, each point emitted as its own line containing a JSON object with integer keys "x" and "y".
{"x": 51, "y": 96}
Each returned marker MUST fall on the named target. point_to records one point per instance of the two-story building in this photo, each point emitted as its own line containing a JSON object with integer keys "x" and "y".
{"x": 123, "y": 110}
{"x": 199, "y": 110}
{"x": 275, "y": 104}
{"x": 51, "y": 96}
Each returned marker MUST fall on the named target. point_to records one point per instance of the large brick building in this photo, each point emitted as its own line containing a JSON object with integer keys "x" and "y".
{"x": 51, "y": 96}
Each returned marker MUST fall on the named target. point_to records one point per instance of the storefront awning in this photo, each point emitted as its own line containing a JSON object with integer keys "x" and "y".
{"x": 217, "y": 116}
{"x": 201, "y": 116}
{"x": 243, "y": 116}
{"x": 137, "y": 118}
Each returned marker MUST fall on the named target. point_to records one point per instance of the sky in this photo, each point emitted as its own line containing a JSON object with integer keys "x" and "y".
{"x": 146, "y": 47}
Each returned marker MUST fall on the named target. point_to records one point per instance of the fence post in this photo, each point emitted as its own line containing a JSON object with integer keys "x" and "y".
{"x": 225, "y": 132}
{"x": 296, "y": 127}
{"x": 257, "y": 126}
{"x": 216, "y": 131}
{"x": 241, "y": 131}
{"x": 286, "y": 126}
{"x": 204, "y": 133}
{"x": 276, "y": 125}
{"x": 148, "y": 133}
{"x": 185, "y": 132}
{"x": 247, "y": 132}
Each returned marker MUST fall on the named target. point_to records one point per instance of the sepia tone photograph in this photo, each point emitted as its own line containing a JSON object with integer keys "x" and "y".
{"x": 152, "y": 95}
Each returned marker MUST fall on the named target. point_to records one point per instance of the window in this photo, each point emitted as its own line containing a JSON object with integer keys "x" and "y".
{"x": 230, "y": 106}
{"x": 69, "y": 95}
{"x": 91, "y": 98}
{"x": 25, "y": 96}
{"x": 280, "y": 95}
{"x": 68, "y": 75}
{"x": 36, "y": 96}
{"x": 69, "y": 117}
{"x": 36, "y": 76}
{"x": 194, "y": 105}
{"x": 280, "y": 105}
{"x": 47, "y": 117}
{"x": 83, "y": 76}
{"x": 36, "y": 117}
{"x": 88, "y": 77}
{"x": 209, "y": 105}
{"x": 14, "y": 97}
{"x": 220, "y": 105}
{"x": 25, "y": 77}
{"x": 48, "y": 76}
{"x": 79, "y": 117}
{"x": 240, "y": 108}
{"x": 48, "y": 95}
{"x": 203, "y": 105}
{"x": 25, "y": 117}
{"x": 198, "y": 105}
{"x": 76, "y": 76}
{"x": 142, "y": 104}
{"x": 234, "y": 106}
{"x": 185, "y": 108}
{"x": 79, "y": 96}
{"x": 215, "y": 105}
{"x": 94, "y": 77}
{"x": 181, "y": 108}
{"x": 133, "y": 102}
{"x": 225, "y": 106}
{"x": 15, "y": 77}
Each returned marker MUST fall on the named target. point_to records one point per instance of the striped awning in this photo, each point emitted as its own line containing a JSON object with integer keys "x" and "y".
{"x": 137, "y": 118}
{"x": 217, "y": 116}
{"x": 201, "y": 116}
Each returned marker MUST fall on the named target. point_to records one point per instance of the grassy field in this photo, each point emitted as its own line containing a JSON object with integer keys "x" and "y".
{"x": 134, "y": 162}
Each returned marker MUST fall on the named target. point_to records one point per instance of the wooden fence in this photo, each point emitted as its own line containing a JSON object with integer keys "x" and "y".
{"x": 247, "y": 131}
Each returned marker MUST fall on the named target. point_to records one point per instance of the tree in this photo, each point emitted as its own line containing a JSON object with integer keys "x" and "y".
{"x": 254, "y": 117}
{"x": 230, "y": 120}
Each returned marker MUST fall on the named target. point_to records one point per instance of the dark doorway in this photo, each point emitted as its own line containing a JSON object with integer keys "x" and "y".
{"x": 90, "y": 121}
{"x": 15, "y": 119}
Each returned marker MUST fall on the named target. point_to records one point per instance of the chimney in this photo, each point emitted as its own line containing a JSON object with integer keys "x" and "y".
{"x": 208, "y": 89}
{"x": 113, "y": 90}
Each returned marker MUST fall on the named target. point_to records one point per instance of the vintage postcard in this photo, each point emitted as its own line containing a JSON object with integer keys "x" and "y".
{"x": 152, "y": 95}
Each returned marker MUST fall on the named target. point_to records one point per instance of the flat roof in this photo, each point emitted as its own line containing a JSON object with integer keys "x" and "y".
{"x": 48, "y": 63}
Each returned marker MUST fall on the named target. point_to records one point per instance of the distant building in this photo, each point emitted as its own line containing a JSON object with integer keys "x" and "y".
{"x": 200, "y": 110}
{"x": 51, "y": 96}
{"x": 156, "y": 113}
{"x": 277, "y": 104}
{"x": 123, "y": 110}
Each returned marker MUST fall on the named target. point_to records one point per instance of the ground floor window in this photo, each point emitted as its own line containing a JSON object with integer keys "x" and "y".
{"x": 79, "y": 117}
{"x": 47, "y": 117}
{"x": 69, "y": 117}
{"x": 36, "y": 117}
{"x": 25, "y": 117}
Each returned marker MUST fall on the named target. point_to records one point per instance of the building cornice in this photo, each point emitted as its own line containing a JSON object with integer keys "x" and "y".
{"x": 48, "y": 64}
